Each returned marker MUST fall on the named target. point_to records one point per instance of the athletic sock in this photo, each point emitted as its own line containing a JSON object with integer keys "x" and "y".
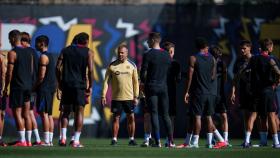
{"x": 64, "y": 131}
{"x": 247, "y": 137}
{"x": 226, "y": 136}
{"x": 29, "y": 134}
{"x": 195, "y": 139}
{"x": 209, "y": 138}
{"x": 275, "y": 139}
{"x": 131, "y": 138}
{"x": 115, "y": 138}
{"x": 37, "y": 136}
{"x": 147, "y": 136}
{"x": 22, "y": 135}
{"x": 218, "y": 136}
{"x": 51, "y": 137}
{"x": 47, "y": 137}
{"x": 188, "y": 138}
{"x": 77, "y": 137}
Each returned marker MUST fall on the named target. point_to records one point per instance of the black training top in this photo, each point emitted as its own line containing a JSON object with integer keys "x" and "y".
{"x": 23, "y": 69}
{"x": 35, "y": 64}
{"x": 49, "y": 82}
{"x": 202, "y": 81}
{"x": 262, "y": 73}
{"x": 173, "y": 77}
{"x": 155, "y": 68}
{"x": 74, "y": 62}
{"x": 221, "y": 69}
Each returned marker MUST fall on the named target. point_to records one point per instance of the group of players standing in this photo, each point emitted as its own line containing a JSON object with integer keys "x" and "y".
{"x": 255, "y": 81}
{"x": 29, "y": 77}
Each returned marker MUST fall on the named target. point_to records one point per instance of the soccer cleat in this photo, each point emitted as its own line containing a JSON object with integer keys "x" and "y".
{"x": 209, "y": 146}
{"x": 62, "y": 142}
{"x": 29, "y": 144}
{"x": 19, "y": 143}
{"x": 229, "y": 145}
{"x": 51, "y": 143}
{"x": 246, "y": 145}
{"x": 156, "y": 145}
{"x": 37, "y": 143}
{"x": 145, "y": 144}
{"x": 171, "y": 145}
{"x": 193, "y": 146}
{"x": 132, "y": 143}
{"x": 184, "y": 145}
{"x": 114, "y": 142}
{"x": 219, "y": 145}
{"x": 277, "y": 146}
{"x": 2, "y": 144}
{"x": 151, "y": 141}
{"x": 77, "y": 145}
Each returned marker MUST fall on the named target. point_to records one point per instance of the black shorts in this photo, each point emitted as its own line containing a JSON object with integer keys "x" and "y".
{"x": 246, "y": 102}
{"x": 33, "y": 100}
{"x": 265, "y": 102}
{"x": 221, "y": 104}
{"x": 19, "y": 97}
{"x": 202, "y": 104}
{"x": 3, "y": 103}
{"x": 172, "y": 105}
{"x": 45, "y": 102}
{"x": 118, "y": 106}
{"x": 73, "y": 96}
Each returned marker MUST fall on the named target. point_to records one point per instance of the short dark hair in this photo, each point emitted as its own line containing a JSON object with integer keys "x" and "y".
{"x": 265, "y": 44}
{"x": 155, "y": 36}
{"x": 167, "y": 45}
{"x": 82, "y": 38}
{"x": 25, "y": 37}
{"x": 215, "y": 51}
{"x": 200, "y": 43}
{"x": 245, "y": 43}
{"x": 15, "y": 34}
{"x": 122, "y": 45}
{"x": 42, "y": 38}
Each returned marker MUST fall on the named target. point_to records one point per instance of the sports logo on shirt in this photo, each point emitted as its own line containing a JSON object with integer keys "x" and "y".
{"x": 117, "y": 73}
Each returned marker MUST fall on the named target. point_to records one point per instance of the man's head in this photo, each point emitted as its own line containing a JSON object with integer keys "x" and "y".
{"x": 41, "y": 43}
{"x": 201, "y": 44}
{"x": 25, "y": 39}
{"x": 82, "y": 38}
{"x": 170, "y": 48}
{"x": 245, "y": 47}
{"x": 14, "y": 37}
{"x": 216, "y": 51}
{"x": 266, "y": 45}
{"x": 122, "y": 52}
{"x": 153, "y": 39}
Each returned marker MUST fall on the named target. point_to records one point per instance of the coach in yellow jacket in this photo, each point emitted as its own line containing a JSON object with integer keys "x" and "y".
{"x": 123, "y": 77}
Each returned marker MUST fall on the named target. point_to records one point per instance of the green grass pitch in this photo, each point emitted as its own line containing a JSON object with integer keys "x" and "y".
{"x": 101, "y": 148}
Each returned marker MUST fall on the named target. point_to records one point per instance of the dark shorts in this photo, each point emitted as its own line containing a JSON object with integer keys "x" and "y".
{"x": 73, "y": 96}
{"x": 202, "y": 105}
{"x": 3, "y": 103}
{"x": 19, "y": 97}
{"x": 265, "y": 102}
{"x": 33, "y": 100}
{"x": 247, "y": 103}
{"x": 221, "y": 104}
{"x": 118, "y": 106}
{"x": 45, "y": 102}
{"x": 277, "y": 99}
{"x": 172, "y": 105}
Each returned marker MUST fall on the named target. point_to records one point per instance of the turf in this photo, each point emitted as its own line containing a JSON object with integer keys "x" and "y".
{"x": 101, "y": 148}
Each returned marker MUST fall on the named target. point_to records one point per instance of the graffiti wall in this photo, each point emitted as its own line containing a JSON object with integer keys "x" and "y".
{"x": 111, "y": 25}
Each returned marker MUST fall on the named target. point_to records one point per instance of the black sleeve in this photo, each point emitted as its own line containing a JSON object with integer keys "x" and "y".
{"x": 144, "y": 68}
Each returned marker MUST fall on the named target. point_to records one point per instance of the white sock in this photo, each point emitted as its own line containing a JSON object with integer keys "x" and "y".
{"x": 64, "y": 131}
{"x": 77, "y": 137}
{"x": 29, "y": 134}
{"x": 226, "y": 136}
{"x": 218, "y": 136}
{"x": 195, "y": 139}
{"x": 209, "y": 138}
{"x": 247, "y": 137}
{"x": 60, "y": 137}
{"x": 188, "y": 138}
{"x": 275, "y": 139}
{"x": 73, "y": 137}
{"x": 131, "y": 138}
{"x": 115, "y": 138}
{"x": 22, "y": 136}
{"x": 51, "y": 137}
{"x": 263, "y": 137}
{"x": 279, "y": 136}
{"x": 0, "y": 137}
{"x": 37, "y": 136}
{"x": 47, "y": 137}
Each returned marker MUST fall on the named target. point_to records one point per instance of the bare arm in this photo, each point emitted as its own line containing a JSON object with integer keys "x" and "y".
{"x": 59, "y": 69}
{"x": 105, "y": 86}
{"x": 44, "y": 61}
{"x": 135, "y": 86}
{"x": 189, "y": 78}
{"x": 10, "y": 68}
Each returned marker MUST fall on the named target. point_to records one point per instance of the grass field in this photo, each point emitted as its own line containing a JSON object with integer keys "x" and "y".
{"x": 101, "y": 148}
